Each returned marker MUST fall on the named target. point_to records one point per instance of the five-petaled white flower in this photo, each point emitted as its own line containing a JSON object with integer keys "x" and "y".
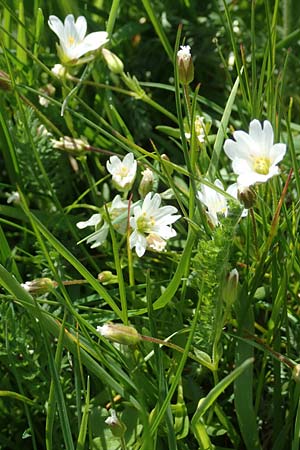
{"x": 215, "y": 202}
{"x": 73, "y": 42}
{"x": 254, "y": 156}
{"x": 151, "y": 224}
{"x": 123, "y": 172}
{"x": 117, "y": 213}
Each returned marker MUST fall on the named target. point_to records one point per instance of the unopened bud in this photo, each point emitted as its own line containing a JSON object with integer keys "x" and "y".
{"x": 5, "y": 83}
{"x": 38, "y": 286}
{"x": 296, "y": 373}
{"x": 247, "y": 196}
{"x": 113, "y": 62}
{"x": 59, "y": 70}
{"x": 168, "y": 167}
{"x": 116, "y": 426}
{"x": 231, "y": 287}
{"x": 146, "y": 184}
{"x": 122, "y": 334}
{"x": 107, "y": 277}
{"x": 185, "y": 64}
{"x": 71, "y": 145}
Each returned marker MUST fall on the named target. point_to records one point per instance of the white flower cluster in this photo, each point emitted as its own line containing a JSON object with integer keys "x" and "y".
{"x": 149, "y": 222}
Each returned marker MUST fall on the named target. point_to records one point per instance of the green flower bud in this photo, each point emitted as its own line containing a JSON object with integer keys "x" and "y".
{"x": 146, "y": 184}
{"x": 185, "y": 64}
{"x": 296, "y": 373}
{"x": 39, "y": 286}
{"x": 117, "y": 427}
{"x": 122, "y": 334}
{"x": 231, "y": 287}
{"x": 247, "y": 196}
{"x": 114, "y": 63}
{"x": 5, "y": 83}
{"x": 107, "y": 277}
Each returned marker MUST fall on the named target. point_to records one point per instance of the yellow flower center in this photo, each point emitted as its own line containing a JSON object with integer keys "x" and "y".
{"x": 262, "y": 165}
{"x": 71, "y": 40}
{"x": 145, "y": 224}
{"x": 123, "y": 172}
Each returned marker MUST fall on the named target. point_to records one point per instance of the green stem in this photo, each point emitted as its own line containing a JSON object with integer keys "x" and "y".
{"x": 112, "y": 17}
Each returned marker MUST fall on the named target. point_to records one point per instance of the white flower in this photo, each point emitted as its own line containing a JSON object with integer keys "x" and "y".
{"x": 117, "y": 214}
{"x": 215, "y": 202}
{"x": 254, "y": 156}
{"x": 184, "y": 54}
{"x": 200, "y": 129}
{"x": 14, "y": 198}
{"x": 73, "y": 42}
{"x": 151, "y": 224}
{"x": 123, "y": 172}
{"x": 59, "y": 70}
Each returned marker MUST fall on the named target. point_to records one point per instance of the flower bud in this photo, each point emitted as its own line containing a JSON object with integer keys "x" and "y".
{"x": 59, "y": 70}
{"x": 5, "y": 83}
{"x": 146, "y": 184}
{"x": 71, "y": 145}
{"x": 168, "y": 167}
{"x": 38, "y": 286}
{"x": 122, "y": 334}
{"x": 231, "y": 287}
{"x": 247, "y": 196}
{"x": 117, "y": 427}
{"x": 185, "y": 64}
{"x": 107, "y": 277}
{"x": 296, "y": 373}
{"x": 114, "y": 63}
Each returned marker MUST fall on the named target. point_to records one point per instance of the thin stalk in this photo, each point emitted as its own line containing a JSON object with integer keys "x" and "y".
{"x": 112, "y": 17}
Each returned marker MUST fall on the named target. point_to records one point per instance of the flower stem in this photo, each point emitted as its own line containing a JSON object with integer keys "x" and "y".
{"x": 112, "y": 17}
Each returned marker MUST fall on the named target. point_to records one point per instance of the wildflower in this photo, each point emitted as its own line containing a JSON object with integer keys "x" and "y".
{"x": 114, "y": 63}
{"x": 146, "y": 184}
{"x": 122, "y": 334}
{"x": 71, "y": 145}
{"x": 14, "y": 198}
{"x": 254, "y": 156}
{"x": 151, "y": 224}
{"x": 215, "y": 202}
{"x": 200, "y": 129}
{"x": 59, "y": 70}
{"x": 123, "y": 172}
{"x": 38, "y": 286}
{"x": 48, "y": 90}
{"x": 73, "y": 42}
{"x": 117, "y": 427}
{"x": 185, "y": 64}
{"x": 116, "y": 212}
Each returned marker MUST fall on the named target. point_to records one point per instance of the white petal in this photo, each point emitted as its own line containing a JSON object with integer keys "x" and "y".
{"x": 277, "y": 153}
{"x": 95, "y": 40}
{"x": 241, "y": 166}
{"x": 56, "y": 25}
{"x": 268, "y": 135}
{"x": 81, "y": 27}
{"x": 92, "y": 221}
{"x": 138, "y": 241}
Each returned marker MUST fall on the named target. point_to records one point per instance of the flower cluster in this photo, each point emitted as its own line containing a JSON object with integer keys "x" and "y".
{"x": 150, "y": 223}
{"x": 254, "y": 159}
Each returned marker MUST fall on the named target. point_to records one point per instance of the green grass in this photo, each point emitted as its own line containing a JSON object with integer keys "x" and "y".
{"x": 215, "y": 367}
